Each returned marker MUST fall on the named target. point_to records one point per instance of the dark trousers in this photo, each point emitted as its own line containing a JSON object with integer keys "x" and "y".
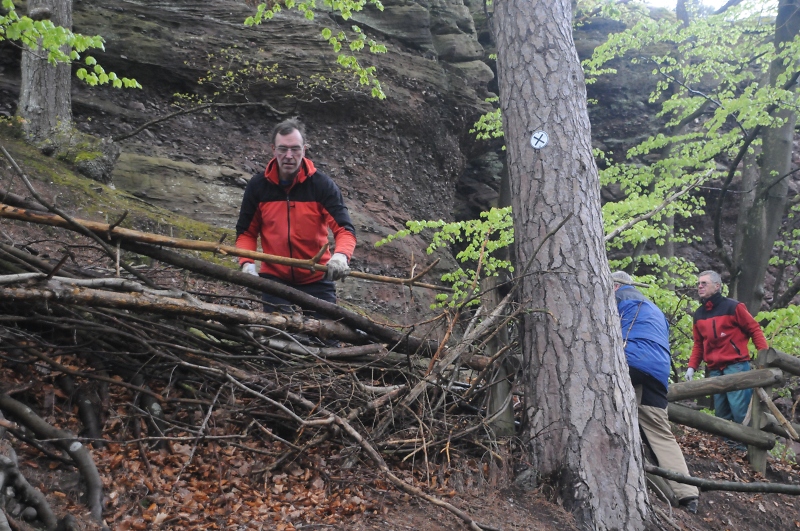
{"x": 322, "y": 289}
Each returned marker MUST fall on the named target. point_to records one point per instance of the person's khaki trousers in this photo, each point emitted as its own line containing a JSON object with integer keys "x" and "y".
{"x": 655, "y": 424}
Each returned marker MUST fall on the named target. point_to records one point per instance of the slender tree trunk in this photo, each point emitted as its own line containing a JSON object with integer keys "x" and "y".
{"x": 750, "y": 176}
{"x": 763, "y": 220}
{"x": 44, "y": 101}
{"x": 580, "y": 409}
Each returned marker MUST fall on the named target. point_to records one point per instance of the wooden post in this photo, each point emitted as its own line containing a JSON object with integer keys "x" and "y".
{"x": 758, "y": 456}
{"x": 503, "y": 425}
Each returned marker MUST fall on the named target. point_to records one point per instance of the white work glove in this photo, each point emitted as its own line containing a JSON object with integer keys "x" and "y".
{"x": 337, "y": 267}
{"x": 250, "y": 269}
{"x": 689, "y": 374}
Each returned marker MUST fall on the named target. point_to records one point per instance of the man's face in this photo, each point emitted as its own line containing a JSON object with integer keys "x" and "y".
{"x": 288, "y": 150}
{"x": 706, "y": 287}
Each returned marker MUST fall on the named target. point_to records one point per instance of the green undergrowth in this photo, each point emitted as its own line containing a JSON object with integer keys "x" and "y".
{"x": 87, "y": 199}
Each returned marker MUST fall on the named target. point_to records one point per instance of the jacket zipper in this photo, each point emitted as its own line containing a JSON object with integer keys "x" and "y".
{"x": 289, "y": 231}
{"x": 714, "y": 325}
{"x": 739, "y": 352}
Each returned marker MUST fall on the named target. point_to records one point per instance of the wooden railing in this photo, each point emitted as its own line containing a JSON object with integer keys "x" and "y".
{"x": 760, "y": 436}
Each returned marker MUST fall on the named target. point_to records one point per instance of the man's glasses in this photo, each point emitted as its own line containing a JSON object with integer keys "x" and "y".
{"x": 283, "y": 150}
{"x": 703, "y": 284}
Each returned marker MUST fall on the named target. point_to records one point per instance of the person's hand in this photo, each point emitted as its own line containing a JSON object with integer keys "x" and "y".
{"x": 689, "y": 374}
{"x": 250, "y": 269}
{"x": 337, "y": 267}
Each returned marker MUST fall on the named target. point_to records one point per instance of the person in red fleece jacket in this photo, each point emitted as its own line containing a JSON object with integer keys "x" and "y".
{"x": 290, "y": 207}
{"x": 722, "y": 327}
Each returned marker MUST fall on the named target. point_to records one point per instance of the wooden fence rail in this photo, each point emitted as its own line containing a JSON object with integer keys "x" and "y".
{"x": 770, "y": 365}
{"x": 724, "y": 384}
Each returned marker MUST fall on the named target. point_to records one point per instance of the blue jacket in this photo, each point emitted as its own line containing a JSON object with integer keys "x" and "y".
{"x": 645, "y": 331}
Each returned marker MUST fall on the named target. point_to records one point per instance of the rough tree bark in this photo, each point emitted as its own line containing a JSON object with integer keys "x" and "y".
{"x": 580, "y": 409}
{"x": 763, "y": 220}
{"x": 44, "y": 97}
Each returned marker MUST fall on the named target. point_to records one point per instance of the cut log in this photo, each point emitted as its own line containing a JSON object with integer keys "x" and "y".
{"x": 773, "y": 425}
{"x": 781, "y": 360}
{"x": 725, "y": 428}
{"x": 724, "y": 384}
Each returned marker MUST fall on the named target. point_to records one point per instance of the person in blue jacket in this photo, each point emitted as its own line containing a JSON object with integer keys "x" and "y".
{"x": 645, "y": 336}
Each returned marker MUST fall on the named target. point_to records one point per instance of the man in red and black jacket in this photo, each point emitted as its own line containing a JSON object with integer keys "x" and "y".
{"x": 722, "y": 327}
{"x": 290, "y": 207}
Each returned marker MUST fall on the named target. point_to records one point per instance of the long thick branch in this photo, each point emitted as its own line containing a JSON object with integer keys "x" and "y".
{"x": 171, "y": 306}
{"x": 112, "y": 232}
{"x": 400, "y": 342}
{"x": 733, "y": 486}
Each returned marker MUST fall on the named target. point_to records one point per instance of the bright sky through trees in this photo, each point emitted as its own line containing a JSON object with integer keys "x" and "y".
{"x": 672, "y": 3}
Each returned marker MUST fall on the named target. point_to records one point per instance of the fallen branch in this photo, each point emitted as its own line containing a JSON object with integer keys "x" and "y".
{"x": 10, "y": 476}
{"x": 732, "y": 486}
{"x": 68, "y": 442}
{"x": 401, "y": 342}
{"x": 171, "y": 306}
{"x": 71, "y": 223}
{"x": 384, "y": 468}
{"x": 111, "y": 232}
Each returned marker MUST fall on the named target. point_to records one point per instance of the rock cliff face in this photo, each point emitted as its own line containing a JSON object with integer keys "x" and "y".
{"x": 408, "y": 157}
{"x": 395, "y": 160}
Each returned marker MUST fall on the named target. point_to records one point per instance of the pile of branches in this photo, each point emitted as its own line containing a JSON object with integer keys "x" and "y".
{"x": 292, "y": 378}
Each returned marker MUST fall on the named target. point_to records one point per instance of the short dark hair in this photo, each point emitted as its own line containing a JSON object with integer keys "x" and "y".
{"x": 286, "y": 127}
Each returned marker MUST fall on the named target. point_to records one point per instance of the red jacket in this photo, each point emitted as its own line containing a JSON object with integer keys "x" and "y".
{"x": 721, "y": 329}
{"x": 294, "y": 222}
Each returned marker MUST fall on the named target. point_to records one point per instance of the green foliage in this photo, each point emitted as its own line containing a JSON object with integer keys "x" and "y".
{"x": 356, "y": 41}
{"x": 482, "y": 238}
{"x": 43, "y": 37}
{"x": 781, "y": 328}
{"x": 585, "y": 10}
{"x": 488, "y": 126}
{"x": 783, "y": 453}
{"x": 232, "y": 72}
{"x": 712, "y": 91}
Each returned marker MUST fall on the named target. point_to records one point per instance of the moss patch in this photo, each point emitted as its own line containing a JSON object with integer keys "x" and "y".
{"x": 88, "y": 199}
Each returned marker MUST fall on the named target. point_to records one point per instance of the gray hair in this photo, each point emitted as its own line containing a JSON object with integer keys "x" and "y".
{"x": 621, "y": 277}
{"x": 286, "y": 127}
{"x": 713, "y": 275}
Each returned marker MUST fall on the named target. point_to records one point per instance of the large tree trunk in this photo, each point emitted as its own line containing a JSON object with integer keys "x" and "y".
{"x": 44, "y": 98}
{"x": 763, "y": 220}
{"x": 580, "y": 408}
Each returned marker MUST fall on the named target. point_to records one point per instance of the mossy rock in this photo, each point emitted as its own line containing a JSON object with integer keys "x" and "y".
{"x": 91, "y": 156}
